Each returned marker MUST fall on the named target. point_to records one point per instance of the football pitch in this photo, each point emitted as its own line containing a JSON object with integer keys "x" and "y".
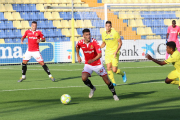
{"x": 145, "y": 96}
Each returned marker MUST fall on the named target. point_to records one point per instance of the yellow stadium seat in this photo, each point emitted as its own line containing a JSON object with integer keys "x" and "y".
{"x": 178, "y": 14}
{"x": 157, "y": 37}
{"x": 132, "y": 23}
{"x": 129, "y": 1}
{"x": 64, "y": 5}
{"x": 88, "y": 24}
{"x": 177, "y": 1}
{"x": 75, "y": 39}
{"x": 49, "y": 16}
{"x": 23, "y": 32}
{"x": 66, "y": 32}
{"x": 49, "y": 1}
{"x": 149, "y": 31}
{"x": 140, "y": 23}
{"x": 102, "y": 30}
{"x": 137, "y": 15}
{"x": 40, "y": 7}
{"x": 25, "y": 24}
{"x": 2, "y": 8}
{"x": 167, "y": 22}
{"x": 178, "y": 22}
{"x": 75, "y": 24}
{"x": 27, "y": 1}
{"x": 57, "y": 23}
{"x": 2, "y": 41}
{"x": 75, "y": 33}
{"x": 84, "y": 5}
{"x": 123, "y": 15}
{"x": 8, "y": 16}
{"x": 121, "y": 1}
{"x": 65, "y": 24}
{"x": 41, "y": 1}
{"x": 136, "y": 1}
{"x": 19, "y": 1}
{"x": 33, "y": 1}
{"x": 10, "y": 2}
{"x": 80, "y": 23}
{"x": 65, "y": 1}
{"x": 56, "y": 1}
{"x": 130, "y": 15}
{"x": 79, "y": 38}
{"x": 3, "y": 1}
{"x": 78, "y": 1}
{"x": 17, "y": 24}
{"x": 150, "y": 37}
{"x": 56, "y": 16}
{"x": 16, "y": 16}
{"x": 141, "y": 31}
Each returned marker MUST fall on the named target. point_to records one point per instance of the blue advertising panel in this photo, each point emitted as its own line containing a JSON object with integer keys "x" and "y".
{"x": 13, "y": 53}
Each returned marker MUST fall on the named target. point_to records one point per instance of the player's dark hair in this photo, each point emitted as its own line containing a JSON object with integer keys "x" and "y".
{"x": 174, "y": 21}
{"x": 85, "y": 30}
{"x": 108, "y": 22}
{"x": 172, "y": 45}
{"x": 34, "y": 22}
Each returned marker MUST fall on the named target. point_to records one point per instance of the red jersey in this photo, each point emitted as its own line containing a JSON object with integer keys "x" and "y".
{"x": 90, "y": 50}
{"x": 33, "y": 36}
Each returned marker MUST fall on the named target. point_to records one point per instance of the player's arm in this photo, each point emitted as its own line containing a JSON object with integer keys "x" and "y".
{"x": 120, "y": 44}
{"x": 77, "y": 52}
{"x": 155, "y": 60}
{"x": 99, "y": 53}
{"x": 42, "y": 38}
{"x": 103, "y": 44}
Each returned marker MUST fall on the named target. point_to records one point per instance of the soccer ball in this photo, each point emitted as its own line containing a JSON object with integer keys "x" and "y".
{"x": 65, "y": 99}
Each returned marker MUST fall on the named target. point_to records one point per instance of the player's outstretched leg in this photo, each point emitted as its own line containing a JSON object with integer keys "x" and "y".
{"x": 46, "y": 69}
{"x": 110, "y": 73}
{"x": 169, "y": 81}
{"x": 119, "y": 72}
{"x": 24, "y": 69}
{"x": 111, "y": 87}
{"x": 88, "y": 83}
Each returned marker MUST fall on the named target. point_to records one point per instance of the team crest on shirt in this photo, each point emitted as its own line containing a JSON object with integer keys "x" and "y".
{"x": 111, "y": 35}
{"x": 92, "y": 47}
{"x": 36, "y": 34}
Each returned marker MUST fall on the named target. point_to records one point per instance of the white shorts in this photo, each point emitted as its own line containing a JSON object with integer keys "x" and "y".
{"x": 100, "y": 70}
{"x": 35, "y": 54}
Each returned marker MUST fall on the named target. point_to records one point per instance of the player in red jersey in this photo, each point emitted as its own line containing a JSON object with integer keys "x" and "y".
{"x": 34, "y": 37}
{"x": 92, "y": 53}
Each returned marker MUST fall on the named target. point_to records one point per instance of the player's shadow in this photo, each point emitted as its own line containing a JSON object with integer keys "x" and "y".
{"x": 141, "y": 82}
{"x": 137, "y": 111}
{"x": 126, "y": 96}
{"x": 70, "y": 78}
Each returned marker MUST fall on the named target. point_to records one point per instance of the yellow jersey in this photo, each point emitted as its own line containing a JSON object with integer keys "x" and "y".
{"x": 175, "y": 60}
{"x": 111, "y": 41}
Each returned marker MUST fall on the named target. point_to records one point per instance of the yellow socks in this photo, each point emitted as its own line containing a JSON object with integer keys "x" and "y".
{"x": 111, "y": 76}
{"x": 175, "y": 82}
{"x": 120, "y": 72}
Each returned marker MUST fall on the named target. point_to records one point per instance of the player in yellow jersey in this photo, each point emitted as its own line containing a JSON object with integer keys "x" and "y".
{"x": 174, "y": 59}
{"x": 113, "y": 43}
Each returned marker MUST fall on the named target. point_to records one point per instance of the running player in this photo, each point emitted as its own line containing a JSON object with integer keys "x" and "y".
{"x": 172, "y": 33}
{"x": 174, "y": 59}
{"x": 33, "y": 50}
{"x": 113, "y": 43}
{"x": 92, "y": 53}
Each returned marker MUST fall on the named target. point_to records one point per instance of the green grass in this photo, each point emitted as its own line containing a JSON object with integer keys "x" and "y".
{"x": 144, "y": 97}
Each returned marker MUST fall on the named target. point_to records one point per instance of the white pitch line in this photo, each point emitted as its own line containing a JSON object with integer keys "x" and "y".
{"x": 71, "y": 87}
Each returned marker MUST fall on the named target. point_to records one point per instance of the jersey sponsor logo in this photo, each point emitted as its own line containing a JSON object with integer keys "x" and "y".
{"x": 109, "y": 38}
{"x": 33, "y": 38}
{"x": 89, "y": 51}
{"x": 148, "y": 48}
